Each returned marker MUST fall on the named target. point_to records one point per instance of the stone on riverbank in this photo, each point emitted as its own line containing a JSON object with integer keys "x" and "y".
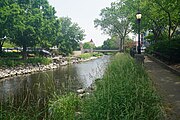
{"x": 31, "y": 68}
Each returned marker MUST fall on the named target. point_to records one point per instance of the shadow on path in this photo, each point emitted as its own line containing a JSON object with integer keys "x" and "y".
{"x": 167, "y": 85}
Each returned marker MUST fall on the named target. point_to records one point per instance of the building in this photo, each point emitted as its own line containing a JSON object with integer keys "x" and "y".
{"x": 92, "y": 45}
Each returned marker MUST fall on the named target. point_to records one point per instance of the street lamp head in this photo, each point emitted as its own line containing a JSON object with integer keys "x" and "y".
{"x": 138, "y": 15}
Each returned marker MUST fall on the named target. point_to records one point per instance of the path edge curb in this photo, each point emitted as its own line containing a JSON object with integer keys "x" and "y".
{"x": 164, "y": 65}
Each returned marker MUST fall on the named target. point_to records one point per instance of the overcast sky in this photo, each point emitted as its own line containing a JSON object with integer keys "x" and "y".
{"x": 84, "y": 13}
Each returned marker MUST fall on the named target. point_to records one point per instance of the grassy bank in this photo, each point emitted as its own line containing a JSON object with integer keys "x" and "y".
{"x": 125, "y": 93}
{"x": 8, "y": 62}
{"x": 64, "y": 107}
{"x": 88, "y": 55}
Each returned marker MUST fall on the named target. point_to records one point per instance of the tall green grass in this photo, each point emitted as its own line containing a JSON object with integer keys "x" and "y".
{"x": 31, "y": 103}
{"x": 26, "y": 107}
{"x": 64, "y": 107}
{"x": 125, "y": 93}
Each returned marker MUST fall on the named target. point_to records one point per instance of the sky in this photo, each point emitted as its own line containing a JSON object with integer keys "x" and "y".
{"x": 83, "y": 12}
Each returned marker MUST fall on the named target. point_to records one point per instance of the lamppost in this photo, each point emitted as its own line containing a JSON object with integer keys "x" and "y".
{"x": 138, "y": 17}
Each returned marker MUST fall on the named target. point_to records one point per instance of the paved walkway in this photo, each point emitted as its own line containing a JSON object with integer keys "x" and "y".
{"x": 167, "y": 85}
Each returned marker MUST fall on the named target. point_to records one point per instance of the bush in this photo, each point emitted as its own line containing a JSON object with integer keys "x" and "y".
{"x": 85, "y": 55}
{"x": 14, "y": 63}
{"x": 10, "y": 55}
{"x": 167, "y": 48}
{"x": 10, "y": 63}
{"x": 97, "y": 54}
{"x": 40, "y": 60}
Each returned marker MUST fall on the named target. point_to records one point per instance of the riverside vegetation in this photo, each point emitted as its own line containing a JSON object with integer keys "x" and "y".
{"x": 88, "y": 55}
{"x": 125, "y": 92}
{"x": 14, "y": 59}
{"x": 12, "y": 64}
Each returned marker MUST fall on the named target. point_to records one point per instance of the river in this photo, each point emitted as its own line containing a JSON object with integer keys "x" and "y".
{"x": 61, "y": 80}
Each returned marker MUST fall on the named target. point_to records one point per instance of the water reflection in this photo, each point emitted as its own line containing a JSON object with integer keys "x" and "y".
{"x": 89, "y": 71}
{"x": 61, "y": 80}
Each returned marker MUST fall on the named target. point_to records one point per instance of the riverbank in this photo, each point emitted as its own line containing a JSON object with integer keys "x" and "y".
{"x": 28, "y": 96}
{"x": 124, "y": 92}
{"x": 31, "y": 68}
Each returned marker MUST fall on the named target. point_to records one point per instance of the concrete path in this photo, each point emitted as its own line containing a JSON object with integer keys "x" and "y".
{"x": 167, "y": 85}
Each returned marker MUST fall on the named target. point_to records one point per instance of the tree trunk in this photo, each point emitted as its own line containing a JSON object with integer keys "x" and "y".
{"x": 123, "y": 41}
{"x": 120, "y": 44}
{"x": 24, "y": 52}
{"x": 170, "y": 26}
{"x": 0, "y": 48}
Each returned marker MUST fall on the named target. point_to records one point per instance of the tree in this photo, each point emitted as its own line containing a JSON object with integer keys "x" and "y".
{"x": 31, "y": 23}
{"x": 170, "y": 11}
{"x": 8, "y": 11}
{"x": 115, "y": 21}
{"x": 71, "y": 35}
{"x": 27, "y": 27}
{"x": 161, "y": 17}
{"x": 34, "y": 24}
{"x": 111, "y": 43}
{"x": 88, "y": 45}
{"x": 51, "y": 27}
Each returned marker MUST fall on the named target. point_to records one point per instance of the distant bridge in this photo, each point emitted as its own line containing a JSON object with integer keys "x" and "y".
{"x": 94, "y": 50}
{"x": 106, "y": 50}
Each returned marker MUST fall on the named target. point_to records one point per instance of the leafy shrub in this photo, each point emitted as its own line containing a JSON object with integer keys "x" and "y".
{"x": 97, "y": 54}
{"x": 166, "y": 48}
{"x": 10, "y": 55}
{"x": 40, "y": 60}
{"x": 10, "y": 63}
{"x": 14, "y": 63}
{"x": 85, "y": 55}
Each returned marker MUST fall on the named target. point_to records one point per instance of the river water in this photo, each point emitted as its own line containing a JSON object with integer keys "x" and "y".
{"x": 61, "y": 80}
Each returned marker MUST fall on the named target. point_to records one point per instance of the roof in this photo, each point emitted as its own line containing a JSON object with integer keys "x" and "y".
{"x": 91, "y": 40}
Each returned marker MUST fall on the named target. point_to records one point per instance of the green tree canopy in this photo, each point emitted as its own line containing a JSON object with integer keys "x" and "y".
{"x": 88, "y": 45}
{"x": 111, "y": 43}
{"x": 29, "y": 23}
{"x": 71, "y": 35}
{"x": 161, "y": 17}
{"x": 115, "y": 21}
{"x": 8, "y": 12}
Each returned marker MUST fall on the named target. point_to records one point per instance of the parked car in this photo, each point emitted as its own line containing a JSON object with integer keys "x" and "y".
{"x": 45, "y": 53}
{"x": 143, "y": 48}
{"x": 11, "y": 49}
